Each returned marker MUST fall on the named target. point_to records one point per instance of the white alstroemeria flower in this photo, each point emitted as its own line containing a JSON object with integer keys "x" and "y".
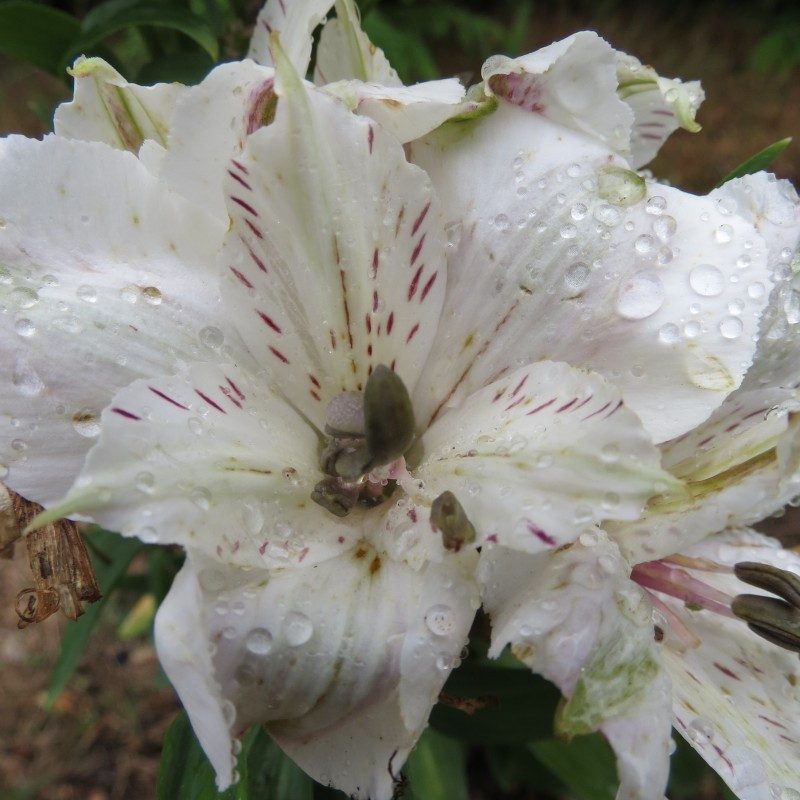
{"x": 536, "y": 245}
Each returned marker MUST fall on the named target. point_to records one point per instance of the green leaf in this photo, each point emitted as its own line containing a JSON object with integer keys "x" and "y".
{"x": 586, "y": 766}
{"x": 119, "y": 552}
{"x": 185, "y": 68}
{"x": 759, "y": 161}
{"x": 518, "y": 706}
{"x": 265, "y": 772}
{"x": 436, "y": 768}
{"x": 38, "y": 34}
{"x": 512, "y": 767}
{"x": 115, "y": 15}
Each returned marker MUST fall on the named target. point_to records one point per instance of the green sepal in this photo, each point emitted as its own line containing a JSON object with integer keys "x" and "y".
{"x": 761, "y": 160}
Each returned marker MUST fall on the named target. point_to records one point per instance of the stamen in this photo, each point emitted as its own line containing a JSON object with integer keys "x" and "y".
{"x": 448, "y": 515}
{"x": 777, "y": 621}
{"x": 388, "y": 417}
{"x": 336, "y": 495}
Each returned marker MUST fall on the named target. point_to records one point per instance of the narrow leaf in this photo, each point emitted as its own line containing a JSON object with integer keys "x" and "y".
{"x": 436, "y": 768}
{"x": 759, "y": 161}
{"x": 114, "y": 15}
{"x": 586, "y": 766}
{"x": 37, "y": 33}
{"x": 119, "y": 552}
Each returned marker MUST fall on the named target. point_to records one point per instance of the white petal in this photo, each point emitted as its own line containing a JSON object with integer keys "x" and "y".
{"x": 575, "y": 617}
{"x": 335, "y": 260}
{"x": 407, "y": 112}
{"x": 294, "y": 21}
{"x": 773, "y": 207}
{"x": 345, "y": 51}
{"x": 660, "y": 106}
{"x": 213, "y": 461}
{"x": 343, "y": 661}
{"x": 564, "y": 257}
{"x": 106, "y": 276}
{"x": 106, "y": 108}
{"x": 739, "y": 467}
{"x": 572, "y": 83}
{"x": 552, "y": 445}
{"x": 210, "y": 125}
{"x": 737, "y": 697}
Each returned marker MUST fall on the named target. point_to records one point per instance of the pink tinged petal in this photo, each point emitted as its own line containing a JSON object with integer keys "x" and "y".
{"x": 345, "y": 52}
{"x": 551, "y": 446}
{"x": 226, "y": 106}
{"x": 737, "y": 697}
{"x": 590, "y": 265}
{"x": 407, "y": 112}
{"x": 294, "y": 21}
{"x": 213, "y": 461}
{"x": 343, "y": 245}
{"x": 108, "y": 276}
{"x": 574, "y": 617}
{"x": 106, "y": 108}
{"x": 572, "y": 83}
{"x": 343, "y": 662}
{"x": 660, "y": 106}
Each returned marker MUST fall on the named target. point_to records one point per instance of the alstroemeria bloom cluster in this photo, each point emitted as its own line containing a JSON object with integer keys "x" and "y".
{"x": 203, "y": 286}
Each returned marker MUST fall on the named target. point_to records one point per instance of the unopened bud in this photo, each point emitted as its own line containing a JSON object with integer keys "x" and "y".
{"x": 448, "y": 515}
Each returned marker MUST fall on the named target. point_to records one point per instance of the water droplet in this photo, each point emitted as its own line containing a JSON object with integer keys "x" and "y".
{"x": 583, "y": 514}
{"x": 755, "y": 290}
{"x": 144, "y": 482}
{"x": 611, "y": 500}
{"x": 736, "y": 306}
{"x": 723, "y": 234}
{"x": 86, "y": 422}
{"x": 298, "y": 628}
{"x": 578, "y": 212}
{"x": 201, "y": 497}
{"x": 747, "y": 767}
{"x": 544, "y": 460}
{"x": 502, "y": 223}
{"x": 259, "y": 641}
{"x": 228, "y": 712}
{"x": 707, "y": 280}
{"x": 644, "y": 244}
{"x": 22, "y": 297}
{"x": 440, "y": 620}
{"x": 212, "y": 337}
{"x": 229, "y": 633}
{"x": 692, "y": 329}
{"x": 669, "y": 333}
{"x": 212, "y": 580}
{"x": 245, "y": 675}
{"x": 195, "y": 425}
{"x": 26, "y": 380}
{"x": 24, "y": 327}
{"x": 576, "y": 277}
{"x": 655, "y": 205}
{"x": 444, "y": 662}
{"x": 640, "y": 296}
{"x": 87, "y": 293}
{"x": 621, "y": 187}
{"x": 775, "y": 790}
{"x": 731, "y": 327}
{"x": 568, "y": 231}
{"x": 253, "y": 518}
{"x": 608, "y": 215}
{"x": 588, "y": 539}
{"x": 151, "y": 295}
{"x": 130, "y": 294}
{"x": 18, "y": 445}
{"x": 610, "y": 453}
{"x": 148, "y": 535}
{"x": 664, "y": 227}
{"x": 664, "y": 256}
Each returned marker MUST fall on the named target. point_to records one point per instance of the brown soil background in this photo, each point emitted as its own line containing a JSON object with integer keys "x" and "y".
{"x": 102, "y": 740}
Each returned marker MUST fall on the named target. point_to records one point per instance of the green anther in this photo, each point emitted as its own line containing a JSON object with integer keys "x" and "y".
{"x": 772, "y": 579}
{"x": 772, "y": 619}
{"x": 335, "y": 496}
{"x": 448, "y": 515}
{"x": 388, "y": 417}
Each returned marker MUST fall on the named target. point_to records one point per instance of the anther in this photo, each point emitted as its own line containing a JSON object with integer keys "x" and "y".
{"x": 448, "y": 515}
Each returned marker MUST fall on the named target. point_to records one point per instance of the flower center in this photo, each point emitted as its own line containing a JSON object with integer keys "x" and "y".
{"x": 365, "y": 431}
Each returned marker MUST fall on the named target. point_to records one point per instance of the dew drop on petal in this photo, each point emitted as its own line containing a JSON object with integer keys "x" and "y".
{"x": 576, "y": 277}
{"x": 588, "y": 539}
{"x": 723, "y": 234}
{"x": 212, "y": 337}
{"x": 298, "y": 628}
{"x": 26, "y": 380}
{"x": 755, "y": 290}
{"x": 259, "y": 641}
{"x": 201, "y": 497}
{"x": 144, "y": 482}
{"x": 608, "y": 215}
{"x": 644, "y": 244}
{"x": 706, "y": 280}
{"x": 87, "y": 293}
{"x": 692, "y": 329}
{"x": 440, "y": 620}
{"x": 195, "y": 425}
{"x": 747, "y": 767}
{"x": 731, "y": 327}
{"x": 22, "y": 297}
{"x": 568, "y": 231}
{"x": 228, "y": 712}
{"x": 655, "y": 205}
{"x": 669, "y": 333}
{"x": 229, "y": 633}
{"x": 640, "y": 296}
{"x": 24, "y": 327}
{"x": 444, "y": 662}
{"x": 700, "y": 730}
{"x": 151, "y": 295}
{"x": 86, "y": 422}
{"x": 610, "y": 453}
{"x": 148, "y": 535}
{"x": 664, "y": 227}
